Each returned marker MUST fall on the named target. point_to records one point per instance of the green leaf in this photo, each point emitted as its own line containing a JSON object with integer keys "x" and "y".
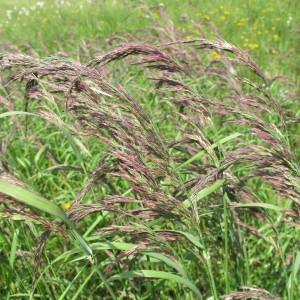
{"x": 112, "y": 245}
{"x": 296, "y": 266}
{"x": 168, "y": 261}
{"x": 157, "y": 275}
{"x": 39, "y": 154}
{"x": 31, "y": 199}
{"x": 213, "y": 146}
{"x": 258, "y": 205}
{"x": 193, "y": 239}
{"x": 65, "y": 292}
{"x": 204, "y": 193}
{"x": 83, "y": 284}
{"x": 13, "y": 249}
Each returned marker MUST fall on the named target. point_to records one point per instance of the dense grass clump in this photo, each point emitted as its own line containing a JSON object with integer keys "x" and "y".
{"x": 162, "y": 166}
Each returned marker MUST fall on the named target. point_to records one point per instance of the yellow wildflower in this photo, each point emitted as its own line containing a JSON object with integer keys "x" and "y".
{"x": 66, "y": 205}
{"x": 155, "y": 15}
{"x": 216, "y": 55}
{"x": 253, "y": 45}
{"x": 207, "y": 17}
{"x": 241, "y": 22}
{"x": 273, "y": 51}
{"x": 222, "y": 18}
{"x": 254, "y": 26}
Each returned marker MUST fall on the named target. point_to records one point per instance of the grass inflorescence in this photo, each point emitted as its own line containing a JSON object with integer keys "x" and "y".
{"x": 169, "y": 156}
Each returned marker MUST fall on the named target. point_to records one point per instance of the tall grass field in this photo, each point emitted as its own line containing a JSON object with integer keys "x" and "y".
{"x": 149, "y": 149}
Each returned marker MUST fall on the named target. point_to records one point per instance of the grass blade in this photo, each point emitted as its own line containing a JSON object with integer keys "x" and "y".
{"x": 13, "y": 249}
{"x": 63, "y": 295}
{"x": 157, "y": 275}
{"x": 171, "y": 263}
{"x": 204, "y": 193}
{"x": 213, "y": 146}
{"x": 31, "y": 199}
{"x": 56, "y": 122}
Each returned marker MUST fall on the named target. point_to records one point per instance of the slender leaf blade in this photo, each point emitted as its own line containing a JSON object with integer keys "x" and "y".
{"x": 157, "y": 275}
{"x": 32, "y": 199}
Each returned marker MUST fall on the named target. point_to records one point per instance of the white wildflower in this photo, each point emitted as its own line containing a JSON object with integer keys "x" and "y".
{"x": 289, "y": 20}
{"x": 8, "y": 14}
{"x": 40, "y": 4}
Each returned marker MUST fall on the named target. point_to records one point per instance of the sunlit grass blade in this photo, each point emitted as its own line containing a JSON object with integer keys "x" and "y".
{"x": 190, "y": 237}
{"x": 204, "y": 193}
{"x": 213, "y": 146}
{"x": 13, "y": 249}
{"x": 32, "y": 199}
{"x": 258, "y": 205}
{"x": 157, "y": 275}
{"x": 168, "y": 261}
